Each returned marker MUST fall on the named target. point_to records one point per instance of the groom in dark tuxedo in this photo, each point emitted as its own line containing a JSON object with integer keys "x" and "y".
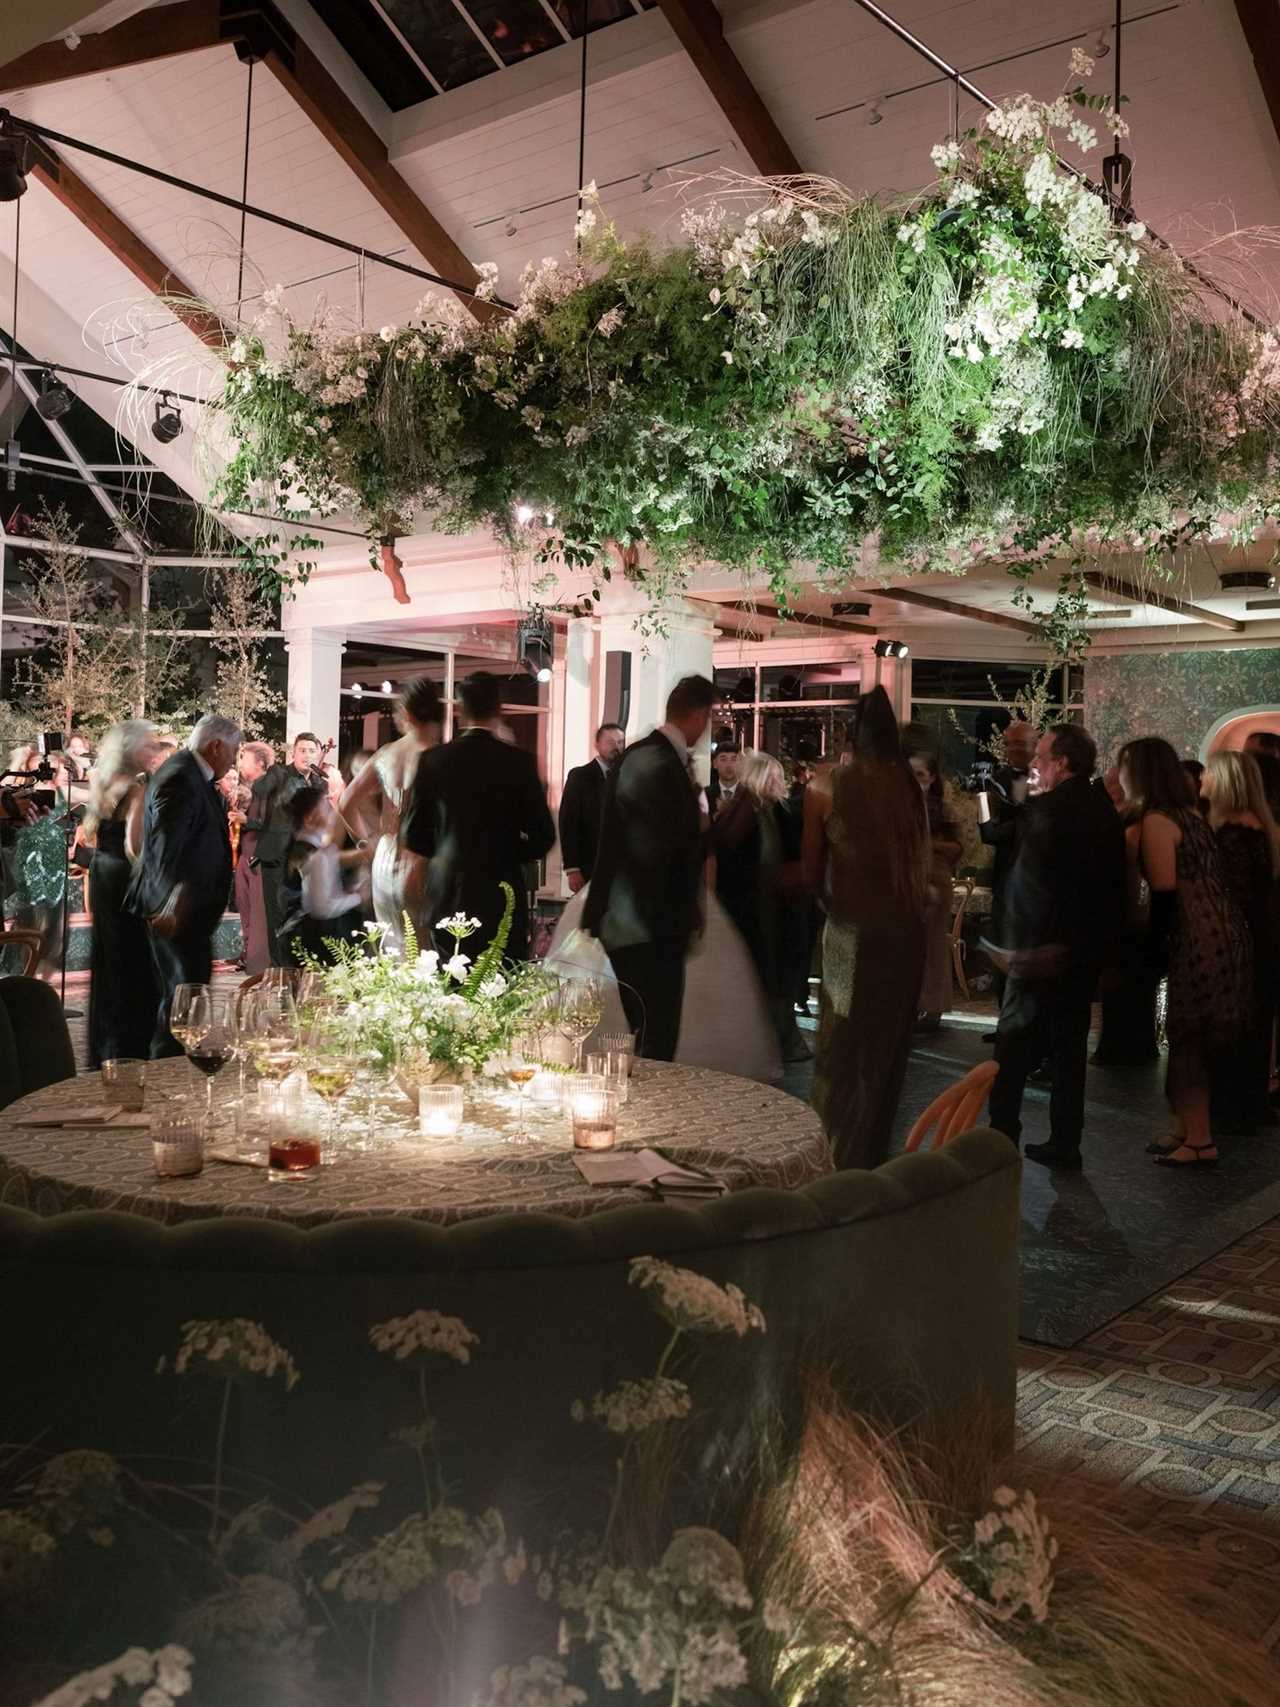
{"x": 182, "y": 880}
{"x": 644, "y": 899}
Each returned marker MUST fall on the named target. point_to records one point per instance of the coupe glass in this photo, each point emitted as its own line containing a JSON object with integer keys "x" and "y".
{"x": 210, "y": 1036}
{"x": 581, "y": 1008}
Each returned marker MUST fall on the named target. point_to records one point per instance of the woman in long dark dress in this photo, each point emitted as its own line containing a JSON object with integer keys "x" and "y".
{"x": 1241, "y": 821}
{"x": 123, "y": 994}
{"x": 866, "y": 849}
{"x": 945, "y": 848}
{"x": 1197, "y": 928}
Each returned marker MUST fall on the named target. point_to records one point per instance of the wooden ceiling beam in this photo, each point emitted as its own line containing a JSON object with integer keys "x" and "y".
{"x": 127, "y": 247}
{"x": 147, "y": 36}
{"x": 354, "y": 139}
{"x": 1116, "y": 588}
{"x": 700, "y": 31}
{"x": 767, "y": 608}
{"x": 1260, "y": 21}
{"x": 953, "y": 607}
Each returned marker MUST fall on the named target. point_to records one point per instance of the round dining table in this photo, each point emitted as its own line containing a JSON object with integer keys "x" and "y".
{"x": 740, "y": 1132}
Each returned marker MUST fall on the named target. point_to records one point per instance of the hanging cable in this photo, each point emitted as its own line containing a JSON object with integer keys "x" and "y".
{"x": 582, "y": 130}
{"x": 244, "y": 190}
{"x": 955, "y": 108}
{"x": 12, "y": 450}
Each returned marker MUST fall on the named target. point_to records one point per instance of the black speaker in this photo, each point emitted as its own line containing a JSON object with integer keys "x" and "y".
{"x": 617, "y": 688}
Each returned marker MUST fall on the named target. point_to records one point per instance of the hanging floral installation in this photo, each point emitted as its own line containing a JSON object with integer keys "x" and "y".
{"x": 994, "y": 369}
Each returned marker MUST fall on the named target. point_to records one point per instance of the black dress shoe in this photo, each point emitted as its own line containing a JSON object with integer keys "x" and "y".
{"x": 1068, "y": 1161}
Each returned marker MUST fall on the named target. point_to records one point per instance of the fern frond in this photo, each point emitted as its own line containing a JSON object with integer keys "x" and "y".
{"x": 491, "y": 959}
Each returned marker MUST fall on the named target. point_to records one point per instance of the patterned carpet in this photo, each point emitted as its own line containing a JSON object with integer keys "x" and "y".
{"x": 1176, "y": 1403}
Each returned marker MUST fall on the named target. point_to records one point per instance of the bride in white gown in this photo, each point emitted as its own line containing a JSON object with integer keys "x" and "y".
{"x": 725, "y": 1023}
{"x": 373, "y": 802}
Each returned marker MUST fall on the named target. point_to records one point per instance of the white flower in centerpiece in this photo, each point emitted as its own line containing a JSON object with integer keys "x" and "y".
{"x": 458, "y": 925}
{"x": 388, "y": 333}
{"x": 1072, "y": 338}
{"x": 1081, "y": 64}
{"x": 945, "y": 155}
{"x": 691, "y": 1301}
{"x": 424, "y": 1330}
{"x": 457, "y": 966}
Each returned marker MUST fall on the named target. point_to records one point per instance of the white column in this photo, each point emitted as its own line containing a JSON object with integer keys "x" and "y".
{"x": 894, "y": 676}
{"x": 315, "y": 683}
{"x": 581, "y": 706}
{"x": 682, "y": 647}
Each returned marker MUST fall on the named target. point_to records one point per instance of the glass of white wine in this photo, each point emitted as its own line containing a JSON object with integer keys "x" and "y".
{"x": 522, "y": 1064}
{"x": 581, "y": 1009}
{"x": 189, "y": 1013}
{"x": 331, "y": 1065}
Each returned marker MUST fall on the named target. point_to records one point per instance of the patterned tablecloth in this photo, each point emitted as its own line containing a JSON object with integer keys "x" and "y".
{"x": 744, "y": 1132}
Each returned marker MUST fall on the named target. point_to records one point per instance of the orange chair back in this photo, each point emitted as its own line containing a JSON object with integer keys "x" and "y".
{"x": 956, "y": 1110}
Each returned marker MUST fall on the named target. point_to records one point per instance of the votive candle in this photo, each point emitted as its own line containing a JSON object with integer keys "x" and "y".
{"x": 594, "y": 1111}
{"x": 440, "y": 1110}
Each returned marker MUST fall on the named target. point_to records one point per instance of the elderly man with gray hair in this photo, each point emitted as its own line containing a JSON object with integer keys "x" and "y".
{"x": 183, "y": 876}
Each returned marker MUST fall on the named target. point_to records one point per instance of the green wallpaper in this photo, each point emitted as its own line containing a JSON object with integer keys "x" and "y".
{"x": 1179, "y": 695}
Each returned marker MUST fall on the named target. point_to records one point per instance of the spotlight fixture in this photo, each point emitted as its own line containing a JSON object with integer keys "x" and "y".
{"x": 15, "y": 163}
{"x": 551, "y": 518}
{"x": 167, "y": 425}
{"x": 387, "y": 688}
{"x": 71, "y": 41}
{"x": 874, "y": 113}
{"x": 646, "y": 183}
{"x": 524, "y": 514}
{"x": 511, "y": 228}
{"x": 891, "y": 649}
{"x": 1102, "y": 47}
{"x": 54, "y": 399}
{"x": 357, "y": 690}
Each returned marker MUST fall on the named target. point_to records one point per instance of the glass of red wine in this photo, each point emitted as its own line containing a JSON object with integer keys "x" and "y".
{"x": 209, "y": 1036}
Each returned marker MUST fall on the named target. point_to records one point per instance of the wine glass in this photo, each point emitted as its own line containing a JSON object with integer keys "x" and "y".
{"x": 269, "y": 1021}
{"x": 521, "y": 1066}
{"x": 188, "y": 1012}
{"x": 211, "y": 1037}
{"x": 581, "y": 1009}
{"x": 331, "y": 1065}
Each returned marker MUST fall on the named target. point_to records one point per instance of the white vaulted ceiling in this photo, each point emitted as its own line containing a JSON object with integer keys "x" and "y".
{"x": 502, "y": 152}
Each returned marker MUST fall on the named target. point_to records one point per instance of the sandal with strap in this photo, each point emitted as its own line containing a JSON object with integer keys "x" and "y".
{"x": 1196, "y": 1156}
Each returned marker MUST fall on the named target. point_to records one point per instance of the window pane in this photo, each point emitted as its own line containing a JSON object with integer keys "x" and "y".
{"x": 736, "y": 685}
{"x": 517, "y": 28}
{"x": 838, "y": 680}
{"x": 819, "y": 733}
{"x": 441, "y": 38}
{"x": 957, "y": 679}
{"x": 962, "y": 748}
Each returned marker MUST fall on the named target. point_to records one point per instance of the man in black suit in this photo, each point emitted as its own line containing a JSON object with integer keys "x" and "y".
{"x": 270, "y": 822}
{"x": 582, "y": 804}
{"x": 1063, "y": 913}
{"x": 477, "y": 812}
{"x": 182, "y": 881}
{"x": 1006, "y": 795}
{"x": 724, "y": 776}
{"x": 643, "y": 903}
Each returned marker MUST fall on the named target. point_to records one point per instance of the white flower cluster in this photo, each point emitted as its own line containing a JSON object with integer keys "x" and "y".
{"x": 424, "y": 1330}
{"x": 445, "y": 1545}
{"x": 539, "y": 1682}
{"x": 610, "y": 321}
{"x": 1015, "y": 1551}
{"x": 691, "y": 1301}
{"x": 230, "y": 1349}
{"x": 676, "y": 1625}
{"x": 164, "y": 1676}
{"x": 636, "y": 1405}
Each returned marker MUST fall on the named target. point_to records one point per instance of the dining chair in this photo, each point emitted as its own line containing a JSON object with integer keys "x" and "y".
{"x": 956, "y": 1110}
{"x": 964, "y": 889}
{"x": 39, "y": 1029}
{"x": 29, "y": 943}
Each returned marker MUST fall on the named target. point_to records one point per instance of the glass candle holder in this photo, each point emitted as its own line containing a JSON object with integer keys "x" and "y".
{"x": 177, "y": 1143}
{"x": 125, "y": 1084}
{"x": 440, "y": 1110}
{"x": 593, "y": 1110}
{"x": 612, "y": 1066}
{"x": 294, "y": 1150}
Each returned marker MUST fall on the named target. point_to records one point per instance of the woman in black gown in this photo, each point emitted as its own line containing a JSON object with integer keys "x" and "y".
{"x": 124, "y": 994}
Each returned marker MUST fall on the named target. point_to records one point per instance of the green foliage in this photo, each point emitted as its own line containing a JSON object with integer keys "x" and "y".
{"x": 995, "y": 370}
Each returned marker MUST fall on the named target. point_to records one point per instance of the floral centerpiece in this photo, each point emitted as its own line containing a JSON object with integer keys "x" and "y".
{"x": 423, "y": 1017}
{"x": 1004, "y": 366}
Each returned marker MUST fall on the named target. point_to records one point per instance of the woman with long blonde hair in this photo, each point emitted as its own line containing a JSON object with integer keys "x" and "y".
{"x": 124, "y": 992}
{"x": 1249, "y": 855}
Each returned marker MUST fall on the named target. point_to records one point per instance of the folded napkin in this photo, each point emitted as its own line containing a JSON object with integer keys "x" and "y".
{"x": 113, "y": 1116}
{"x": 649, "y": 1169}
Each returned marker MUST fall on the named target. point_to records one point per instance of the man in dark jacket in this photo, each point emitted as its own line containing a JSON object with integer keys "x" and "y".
{"x": 270, "y": 823}
{"x": 582, "y": 806}
{"x": 182, "y": 881}
{"x": 477, "y": 812}
{"x": 643, "y": 903}
{"x": 1061, "y": 924}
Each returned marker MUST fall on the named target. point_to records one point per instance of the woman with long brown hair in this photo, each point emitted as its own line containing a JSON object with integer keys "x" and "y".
{"x": 1197, "y": 930}
{"x": 866, "y": 851}
{"x": 1249, "y": 853}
